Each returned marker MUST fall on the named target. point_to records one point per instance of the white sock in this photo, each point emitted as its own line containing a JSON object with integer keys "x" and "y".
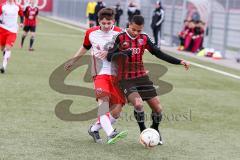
{"x": 106, "y": 124}
{"x": 6, "y": 58}
{"x": 97, "y": 126}
{"x": 112, "y": 119}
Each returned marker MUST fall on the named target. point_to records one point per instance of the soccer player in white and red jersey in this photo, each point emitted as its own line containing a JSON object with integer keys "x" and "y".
{"x": 104, "y": 74}
{"x": 8, "y": 28}
{"x": 30, "y": 22}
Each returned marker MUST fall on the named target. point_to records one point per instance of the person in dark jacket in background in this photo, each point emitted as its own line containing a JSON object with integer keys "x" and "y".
{"x": 132, "y": 11}
{"x": 119, "y": 12}
{"x": 157, "y": 20}
{"x": 100, "y": 5}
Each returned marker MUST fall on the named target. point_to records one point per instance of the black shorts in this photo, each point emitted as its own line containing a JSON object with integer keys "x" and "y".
{"x": 91, "y": 17}
{"x": 29, "y": 28}
{"x": 143, "y": 85}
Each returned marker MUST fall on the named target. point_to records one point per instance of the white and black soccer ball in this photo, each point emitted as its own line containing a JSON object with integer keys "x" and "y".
{"x": 149, "y": 138}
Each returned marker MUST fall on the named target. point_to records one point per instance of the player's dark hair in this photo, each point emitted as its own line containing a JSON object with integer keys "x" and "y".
{"x": 138, "y": 19}
{"x": 107, "y": 13}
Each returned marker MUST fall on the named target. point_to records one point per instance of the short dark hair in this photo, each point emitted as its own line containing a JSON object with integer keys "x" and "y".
{"x": 107, "y": 13}
{"x": 138, "y": 19}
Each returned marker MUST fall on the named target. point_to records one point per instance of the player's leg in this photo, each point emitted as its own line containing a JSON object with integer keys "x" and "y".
{"x": 129, "y": 89}
{"x": 117, "y": 100}
{"x": 154, "y": 104}
{"x": 115, "y": 111}
{"x": 103, "y": 120}
{"x": 26, "y": 30}
{"x": 113, "y": 116}
{"x": 103, "y": 92}
{"x": 3, "y": 50}
{"x": 3, "y": 38}
{"x": 136, "y": 100}
{"x": 10, "y": 39}
{"x": 32, "y": 38}
{"x": 106, "y": 94}
{"x": 6, "y": 57}
{"x": 155, "y": 35}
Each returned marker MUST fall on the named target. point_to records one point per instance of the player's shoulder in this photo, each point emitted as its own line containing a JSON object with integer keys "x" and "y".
{"x": 117, "y": 29}
{"x": 3, "y": 4}
{"x": 92, "y": 29}
{"x": 18, "y": 6}
{"x": 146, "y": 37}
{"x": 143, "y": 34}
{"x": 120, "y": 35}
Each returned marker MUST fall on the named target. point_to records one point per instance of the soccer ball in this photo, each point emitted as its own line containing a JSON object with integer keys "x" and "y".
{"x": 149, "y": 138}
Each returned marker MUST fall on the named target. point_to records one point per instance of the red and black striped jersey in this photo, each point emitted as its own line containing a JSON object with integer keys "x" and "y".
{"x": 30, "y": 14}
{"x": 130, "y": 67}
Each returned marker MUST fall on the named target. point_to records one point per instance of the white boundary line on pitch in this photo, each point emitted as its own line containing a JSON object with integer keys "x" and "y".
{"x": 192, "y": 63}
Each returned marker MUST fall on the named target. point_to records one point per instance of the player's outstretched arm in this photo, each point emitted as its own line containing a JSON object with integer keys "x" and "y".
{"x": 153, "y": 49}
{"x": 82, "y": 50}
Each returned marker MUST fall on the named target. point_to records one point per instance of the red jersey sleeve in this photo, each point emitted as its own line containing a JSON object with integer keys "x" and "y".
{"x": 20, "y": 12}
{"x": 0, "y": 9}
{"x": 117, "y": 29}
{"x": 86, "y": 43}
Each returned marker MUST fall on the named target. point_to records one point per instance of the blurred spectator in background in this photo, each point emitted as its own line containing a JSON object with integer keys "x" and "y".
{"x": 100, "y": 5}
{"x": 90, "y": 13}
{"x": 197, "y": 37}
{"x": 132, "y": 11}
{"x": 118, "y": 14}
{"x": 157, "y": 20}
{"x": 191, "y": 37}
{"x": 182, "y": 35}
{"x": 188, "y": 39}
{"x": 196, "y": 16}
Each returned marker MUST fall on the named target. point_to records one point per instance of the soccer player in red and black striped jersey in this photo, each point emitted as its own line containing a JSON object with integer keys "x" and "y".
{"x": 30, "y": 22}
{"x": 133, "y": 79}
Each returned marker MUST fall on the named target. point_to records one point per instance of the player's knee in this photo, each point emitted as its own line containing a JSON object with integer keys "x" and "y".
{"x": 115, "y": 115}
{"x": 116, "y": 111}
{"x": 138, "y": 106}
{"x": 158, "y": 110}
{"x": 104, "y": 98}
{"x": 7, "y": 48}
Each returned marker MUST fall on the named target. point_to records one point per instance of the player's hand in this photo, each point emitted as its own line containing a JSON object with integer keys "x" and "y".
{"x": 185, "y": 64}
{"x": 102, "y": 54}
{"x": 21, "y": 25}
{"x": 68, "y": 65}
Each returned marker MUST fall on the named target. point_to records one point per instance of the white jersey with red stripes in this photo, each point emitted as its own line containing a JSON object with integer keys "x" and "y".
{"x": 98, "y": 40}
{"x": 9, "y": 16}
